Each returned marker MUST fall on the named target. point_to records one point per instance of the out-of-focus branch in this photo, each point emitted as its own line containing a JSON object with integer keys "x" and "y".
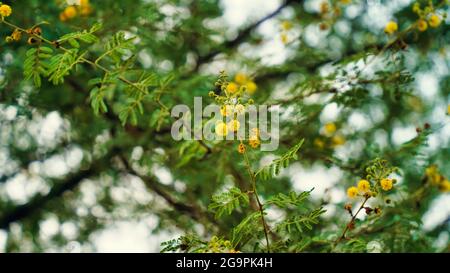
{"x": 243, "y": 34}
{"x": 192, "y": 210}
{"x": 39, "y": 201}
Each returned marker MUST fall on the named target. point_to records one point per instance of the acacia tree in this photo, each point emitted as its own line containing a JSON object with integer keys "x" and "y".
{"x": 114, "y": 83}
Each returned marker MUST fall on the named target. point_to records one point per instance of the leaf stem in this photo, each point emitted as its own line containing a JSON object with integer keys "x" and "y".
{"x": 260, "y": 205}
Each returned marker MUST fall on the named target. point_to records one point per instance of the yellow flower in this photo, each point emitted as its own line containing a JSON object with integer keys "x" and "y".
{"x": 422, "y": 25}
{"x": 378, "y": 210}
{"x": 386, "y": 184}
{"x": 345, "y": 2}
{"x": 352, "y": 192}
{"x": 431, "y": 170}
{"x": 241, "y": 148}
{"x": 240, "y": 78}
{"x": 251, "y": 87}
{"x": 254, "y": 143}
{"x": 284, "y": 38}
{"x": 391, "y": 27}
{"x": 338, "y": 140}
{"x": 445, "y": 186}
{"x": 70, "y": 12}
{"x": 434, "y": 20}
{"x": 226, "y": 110}
{"x": 330, "y": 128}
{"x": 232, "y": 87}
{"x": 286, "y": 25}
{"x": 416, "y": 8}
{"x": 324, "y": 7}
{"x": 16, "y": 35}
{"x": 234, "y": 125}
{"x": 86, "y": 10}
{"x": 84, "y": 2}
{"x": 319, "y": 143}
{"x": 5, "y": 10}
{"x": 221, "y": 129}
{"x": 363, "y": 186}
{"x": 448, "y": 109}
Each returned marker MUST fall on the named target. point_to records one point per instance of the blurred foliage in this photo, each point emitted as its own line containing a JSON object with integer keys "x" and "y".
{"x": 113, "y": 74}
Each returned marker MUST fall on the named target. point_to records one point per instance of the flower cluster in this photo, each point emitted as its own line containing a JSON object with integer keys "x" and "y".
{"x": 32, "y": 33}
{"x": 217, "y": 245}
{"x": 286, "y": 26}
{"x": 427, "y": 16}
{"x": 331, "y": 137}
{"x": 84, "y": 8}
{"x": 435, "y": 178}
{"x": 376, "y": 182}
{"x": 330, "y": 12}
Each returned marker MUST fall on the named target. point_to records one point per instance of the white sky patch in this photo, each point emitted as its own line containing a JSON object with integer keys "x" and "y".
{"x": 439, "y": 211}
{"x": 318, "y": 177}
{"x": 403, "y": 134}
{"x": 238, "y": 12}
{"x": 427, "y": 85}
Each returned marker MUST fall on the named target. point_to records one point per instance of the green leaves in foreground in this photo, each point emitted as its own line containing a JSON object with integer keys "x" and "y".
{"x": 36, "y": 64}
{"x": 299, "y": 222}
{"x": 228, "y": 201}
{"x": 274, "y": 168}
{"x": 293, "y": 199}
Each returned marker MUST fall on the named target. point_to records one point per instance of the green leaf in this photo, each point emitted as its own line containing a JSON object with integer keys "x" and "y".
{"x": 274, "y": 168}
{"x": 228, "y": 201}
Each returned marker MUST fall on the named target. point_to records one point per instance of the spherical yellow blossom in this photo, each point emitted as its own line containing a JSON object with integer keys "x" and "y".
{"x": 84, "y": 2}
{"x": 422, "y": 25}
{"x": 445, "y": 186}
{"x": 286, "y": 25}
{"x": 254, "y": 143}
{"x": 70, "y": 12}
{"x": 434, "y": 20}
{"x": 232, "y": 87}
{"x": 62, "y": 17}
{"x": 433, "y": 175}
{"x": 416, "y": 8}
{"x": 338, "y": 140}
{"x": 226, "y": 110}
{"x": 251, "y": 87}
{"x": 448, "y": 109}
{"x": 240, "y": 78}
{"x": 391, "y": 27}
{"x": 241, "y": 148}
{"x": 221, "y": 129}
{"x": 284, "y": 38}
{"x": 324, "y": 7}
{"x": 330, "y": 128}
{"x": 386, "y": 184}
{"x": 234, "y": 125}
{"x": 352, "y": 192}
{"x": 377, "y": 210}
{"x": 319, "y": 143}
{"x": 345, "y": 2}
{"x": 363, "y": 186}
{"x": 16, "y": 35}
{"x": 5, "y": 10}
{"x": 86, "y": 10}
{"x": 239, "y": 109}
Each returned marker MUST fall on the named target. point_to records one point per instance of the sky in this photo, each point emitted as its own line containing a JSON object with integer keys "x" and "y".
{"x": 135, "y": 236}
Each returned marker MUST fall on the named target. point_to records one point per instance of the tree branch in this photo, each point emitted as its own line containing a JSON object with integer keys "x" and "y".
{"x": 243, "y": 34}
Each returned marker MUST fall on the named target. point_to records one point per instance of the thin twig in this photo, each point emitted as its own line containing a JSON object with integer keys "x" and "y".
{"x": 260, "y": 205}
